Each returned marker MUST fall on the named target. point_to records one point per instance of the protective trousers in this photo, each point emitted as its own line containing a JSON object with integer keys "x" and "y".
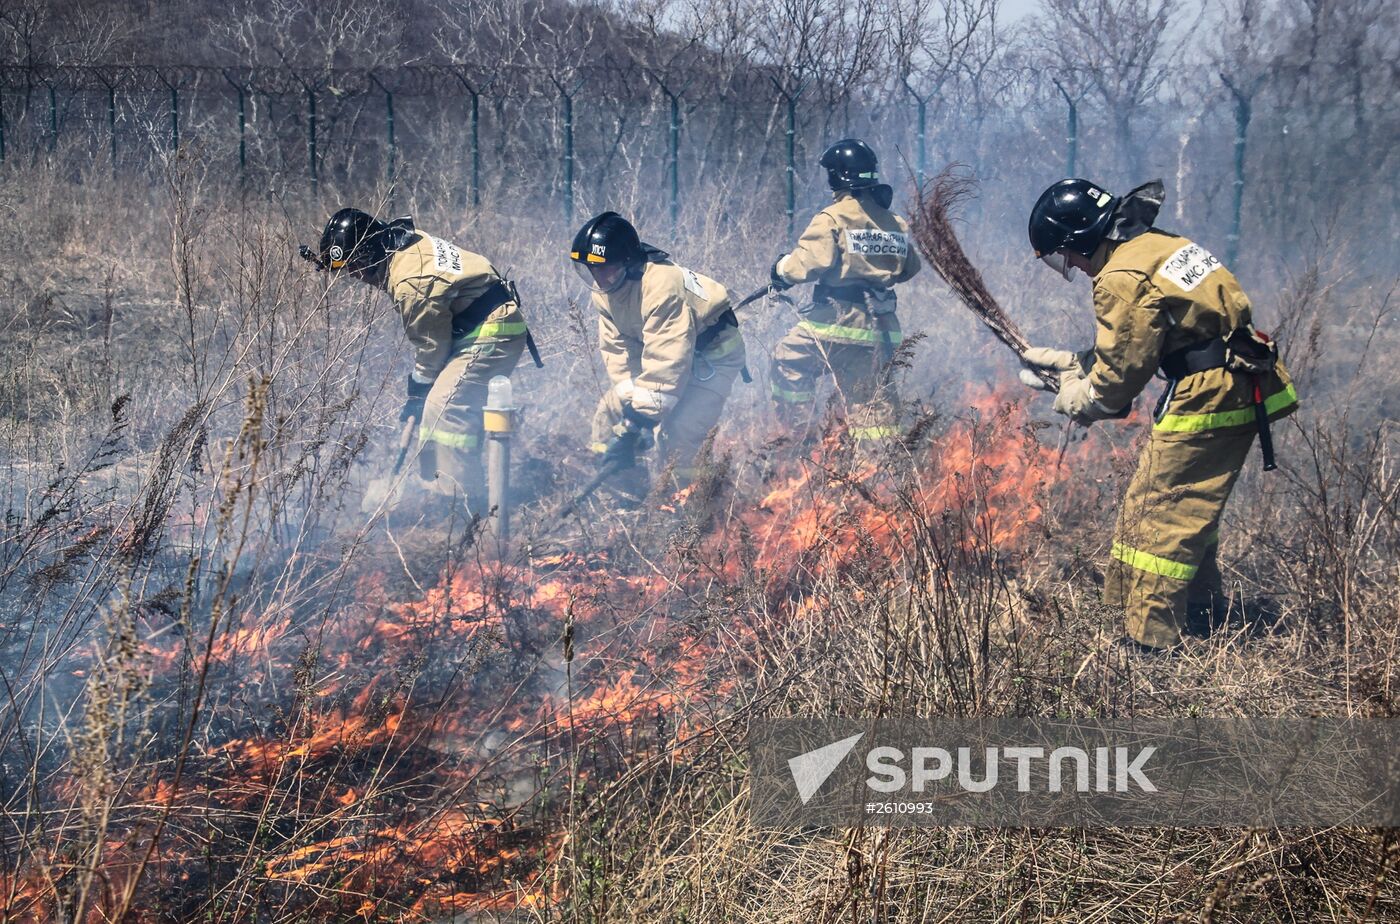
{"x": 450, "y": 436}
{"x": 683, "y": 430}
{"x": 860, "y": 368}
{"x": 1163, "y": 560}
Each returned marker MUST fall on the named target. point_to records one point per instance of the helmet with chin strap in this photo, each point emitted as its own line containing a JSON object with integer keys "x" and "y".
{"x": 607, "y": 239}
{"x": 353, "y": 240}
{"x": 358, "y": 243}
{"x": 1072, "y": 215}
{"x": 607, "y": 251}
{"x": 851, "y": 164}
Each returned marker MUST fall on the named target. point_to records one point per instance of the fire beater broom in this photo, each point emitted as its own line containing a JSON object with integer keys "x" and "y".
{"x": 939, "y": 246}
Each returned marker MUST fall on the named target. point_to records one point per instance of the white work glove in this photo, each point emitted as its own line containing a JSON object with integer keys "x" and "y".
{"x": 1065, "y": 364}
{"x": 1079, "y": 403}
{"x": 624, "y": 390}
{"x": 1076, "y": 398}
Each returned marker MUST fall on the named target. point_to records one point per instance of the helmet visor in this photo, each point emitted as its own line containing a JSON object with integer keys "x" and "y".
{"x": 1059, "y": 262}
{"x": 604, "y": 278}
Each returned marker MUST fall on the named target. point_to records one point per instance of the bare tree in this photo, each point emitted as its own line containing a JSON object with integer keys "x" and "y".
{"x": 1244, "y": 55}
{"x": 45, "y": 32}
{"x": 1123, "y": 51}
{"x": 929, "y": 47}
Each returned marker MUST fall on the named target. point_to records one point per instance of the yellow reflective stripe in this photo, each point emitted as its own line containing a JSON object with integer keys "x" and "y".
{"x": 599, "y": 447}
{"x": 1146, "y": 561}
{"x": 495, "y": 329}
{"x": 722, "y": 346}
{"x": 837, "y": 332}
{"x": 793, "y": 397}
{"x": 455, "y": 440}
{"x": 873, "y": 433}
{"x": 1194, "y": 423}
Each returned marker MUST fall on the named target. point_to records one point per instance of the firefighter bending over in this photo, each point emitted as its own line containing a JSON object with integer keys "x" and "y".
{"x": 671, "y": 345}
{"x": 464, "y": 323}
{"x": 1162, "y": 303}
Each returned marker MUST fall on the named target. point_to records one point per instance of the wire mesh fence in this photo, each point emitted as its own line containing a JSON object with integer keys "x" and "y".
{"x": 577, "y": 139}
{"x": 515, "y": 132}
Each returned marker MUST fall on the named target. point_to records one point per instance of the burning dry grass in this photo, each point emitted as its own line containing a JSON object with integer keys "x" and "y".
{"x": 227, "y": 698}
{"x": 560, "y": 736}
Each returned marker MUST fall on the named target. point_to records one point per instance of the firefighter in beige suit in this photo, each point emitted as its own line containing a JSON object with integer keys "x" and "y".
{"x": 1163, "y": 303}
{"x": 463, "y": 321}
{"x": 670, "y": 342}
{"x": 855, "y": 250}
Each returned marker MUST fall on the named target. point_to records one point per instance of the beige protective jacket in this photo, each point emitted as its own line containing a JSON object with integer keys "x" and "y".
{"x": 1156, "y": 294}
{"x": 647, "y": 330}
{"x": 852, "y": 242}
{"x": 432, "y": 282}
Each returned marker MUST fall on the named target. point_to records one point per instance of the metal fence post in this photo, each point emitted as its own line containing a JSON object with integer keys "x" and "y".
{"x": 112, "y": 121}
{"x": 393, "y": 148}
{"x": 474, "y": 127}
{"x": 673, "y": 147}
{"x": 567, "y": 98}
{"x": 173, "y": 87}
{"x": 1071, "y": 129}
{"x": 675, "y": 159}
{"x": 923, "y": 140}
{"x": 568, "y": 157}
{"x": 476, "y": 148}
{"x": 791, "y": 98}
{"x": 389, "y": 127}
{"x": 1244, "y": 111}
{"x": 242, "y": 127}
{"x": 53, "y": 117}
{"x": 922, "y": 103}
{"x": 791, "y": 163}
{"x": 311, "y": 137}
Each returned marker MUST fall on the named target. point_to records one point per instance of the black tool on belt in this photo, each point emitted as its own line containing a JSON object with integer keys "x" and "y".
{"x": 708, "y": 336}
{"x": 1244, "y": 352}
{"x": 478, "y": 311}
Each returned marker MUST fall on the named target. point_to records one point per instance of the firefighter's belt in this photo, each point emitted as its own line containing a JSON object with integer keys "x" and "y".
{"x": 854, "y": 295}
{"x": 709, "y": 334}
{"x": 471, "y": 320}
{"x": 1197, "y": 357}
{"x": 477, "y": 312}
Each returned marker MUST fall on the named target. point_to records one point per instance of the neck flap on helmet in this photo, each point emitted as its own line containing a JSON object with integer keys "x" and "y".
{"x": 1137, "y": 211}
{"x": 399, "y": 234}
{"x": 882, "y": 194}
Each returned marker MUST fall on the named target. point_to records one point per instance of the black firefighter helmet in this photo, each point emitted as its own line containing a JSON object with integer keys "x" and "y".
{"x": 851, "y": 164}
{"x": 607, "y": 251}
{"x": 353, "y": 241}
{"x": 1072, "y": 215}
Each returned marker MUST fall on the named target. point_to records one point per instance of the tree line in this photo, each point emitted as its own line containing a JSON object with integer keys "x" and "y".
{"x": 1269, "y": 120}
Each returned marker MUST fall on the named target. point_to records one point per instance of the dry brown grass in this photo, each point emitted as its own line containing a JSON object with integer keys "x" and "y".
{"x": 230, "y": 696}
